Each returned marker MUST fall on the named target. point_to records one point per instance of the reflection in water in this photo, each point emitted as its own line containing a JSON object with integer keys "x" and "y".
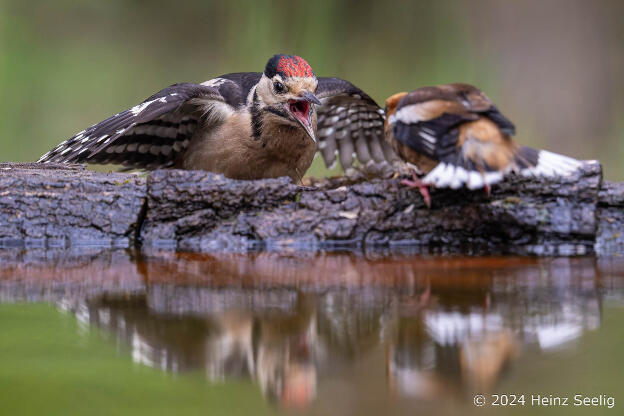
{"x": 449, "y": 326}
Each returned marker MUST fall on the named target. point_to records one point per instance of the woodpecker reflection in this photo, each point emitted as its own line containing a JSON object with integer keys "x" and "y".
{"x": 443, "y": 335}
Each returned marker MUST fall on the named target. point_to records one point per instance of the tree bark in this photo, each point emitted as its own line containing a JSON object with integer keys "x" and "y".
{"x": 66, "y": 205}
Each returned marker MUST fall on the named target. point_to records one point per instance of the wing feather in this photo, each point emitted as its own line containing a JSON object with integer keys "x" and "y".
{"x": 350, "y": 124}
{"x": 149, "y": 135}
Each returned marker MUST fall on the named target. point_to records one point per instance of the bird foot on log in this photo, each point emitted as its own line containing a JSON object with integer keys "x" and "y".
{"x": 422, "y": 187}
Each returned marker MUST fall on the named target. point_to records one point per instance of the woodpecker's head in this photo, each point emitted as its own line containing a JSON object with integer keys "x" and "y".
{"x": 286, "y": 90}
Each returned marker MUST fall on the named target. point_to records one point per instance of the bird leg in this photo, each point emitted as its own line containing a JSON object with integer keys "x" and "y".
{"x": 423, "y": 188}
{"x": 488, "y": 190}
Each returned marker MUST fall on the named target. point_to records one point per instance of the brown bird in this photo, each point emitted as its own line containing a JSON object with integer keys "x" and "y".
{"x": 244, "y": 125}
{"x": 456, "y": 136}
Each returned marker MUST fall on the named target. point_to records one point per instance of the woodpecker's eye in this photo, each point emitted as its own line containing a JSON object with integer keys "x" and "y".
{"x": 279, "y": 87}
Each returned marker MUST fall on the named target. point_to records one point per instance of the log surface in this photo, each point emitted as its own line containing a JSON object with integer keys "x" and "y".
{"x": 66, "y": 205}
{"x": 61, "y": 205}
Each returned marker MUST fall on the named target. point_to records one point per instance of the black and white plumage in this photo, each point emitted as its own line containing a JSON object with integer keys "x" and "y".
{"x": 456, "y": 136}
{"x": 350, "y": 125}
{"x": 165, "y": 129}
{"x": 149, "y": 135}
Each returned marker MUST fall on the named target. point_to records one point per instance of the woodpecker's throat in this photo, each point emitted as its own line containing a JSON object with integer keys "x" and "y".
{"x": 301, "y": 110}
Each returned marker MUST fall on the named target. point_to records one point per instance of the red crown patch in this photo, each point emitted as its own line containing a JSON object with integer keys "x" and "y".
{"x": 294, "y": 66}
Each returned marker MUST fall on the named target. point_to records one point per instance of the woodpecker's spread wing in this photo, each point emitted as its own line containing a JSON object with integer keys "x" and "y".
{"x": 154, "y": 133}
{"x": 350, "y": 125}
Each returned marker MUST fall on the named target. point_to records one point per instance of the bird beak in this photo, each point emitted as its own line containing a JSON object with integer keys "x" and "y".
{"x": 301, "y": 110}
{"x": 308, "y": 96}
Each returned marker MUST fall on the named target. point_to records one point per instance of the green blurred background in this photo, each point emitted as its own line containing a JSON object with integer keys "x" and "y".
{"x": 552, "y": 66}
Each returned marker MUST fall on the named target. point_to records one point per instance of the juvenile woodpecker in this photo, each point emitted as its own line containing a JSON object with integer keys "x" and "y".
{"x": 244, "y": 125}
{"x": 456, "y": 136}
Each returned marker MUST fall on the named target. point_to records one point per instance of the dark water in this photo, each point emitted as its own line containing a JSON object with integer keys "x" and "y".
{"x": 311, "y": 333}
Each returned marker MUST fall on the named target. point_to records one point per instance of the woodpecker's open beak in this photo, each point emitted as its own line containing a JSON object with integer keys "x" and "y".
{"x": 308, "y": 96}
{"x": 301, "y": 110}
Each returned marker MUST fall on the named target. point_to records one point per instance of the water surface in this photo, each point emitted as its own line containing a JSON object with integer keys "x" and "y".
{"x": 367, "y": 333}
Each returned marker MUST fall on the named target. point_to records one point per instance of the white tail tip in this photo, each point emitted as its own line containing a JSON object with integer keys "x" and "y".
{"x": 551, "y": 164}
